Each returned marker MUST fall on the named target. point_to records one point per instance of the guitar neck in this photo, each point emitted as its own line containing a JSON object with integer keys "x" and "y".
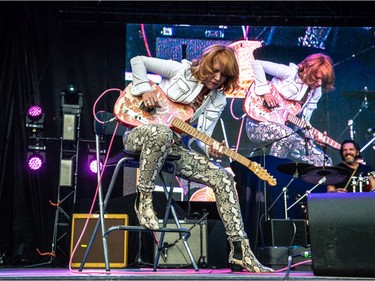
{"x": 191, "y": 131}
{"x": 302, "y": 124}
{"x": 251, "y": 165}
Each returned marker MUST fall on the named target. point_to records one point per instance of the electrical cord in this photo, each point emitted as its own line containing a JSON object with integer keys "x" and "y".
{"x": 305, "y": 254}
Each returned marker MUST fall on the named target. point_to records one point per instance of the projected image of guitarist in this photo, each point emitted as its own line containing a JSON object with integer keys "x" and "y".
{"x": 279, "y": 111}
{"x": 199, "y": 84}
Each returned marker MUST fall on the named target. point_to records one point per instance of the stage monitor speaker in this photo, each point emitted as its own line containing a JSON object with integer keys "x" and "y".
{"x": 117, "y": 241}
{"x": 282, "y": 232}
{"x": 342, "y": 228}
{"x": 208, "y": 243}
{"x": 175, "y": 254}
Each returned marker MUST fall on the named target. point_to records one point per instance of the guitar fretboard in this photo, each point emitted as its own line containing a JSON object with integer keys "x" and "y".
{"x": 253, "y": 166}
{"x": 302, "y": 124}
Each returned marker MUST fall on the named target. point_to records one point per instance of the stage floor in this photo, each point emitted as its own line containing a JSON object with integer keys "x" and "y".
{"x": 160, "y": 274}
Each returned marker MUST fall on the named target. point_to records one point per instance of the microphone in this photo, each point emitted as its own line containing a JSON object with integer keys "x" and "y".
{"x": 322, "y": 180}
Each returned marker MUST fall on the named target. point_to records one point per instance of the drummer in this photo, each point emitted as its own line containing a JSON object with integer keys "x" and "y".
{"x": 361, "y": 175}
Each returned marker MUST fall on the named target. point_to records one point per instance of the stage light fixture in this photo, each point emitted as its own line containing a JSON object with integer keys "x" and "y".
{"x": 35, "y": 112}
{"x": 92, "y": 162}
{"x": 35, "y": 160}
{"x": 71, "y": 105}
{"x": 35, "y": 117}
{"x": 93, "y": 165}
{"x": 71, "y": 88}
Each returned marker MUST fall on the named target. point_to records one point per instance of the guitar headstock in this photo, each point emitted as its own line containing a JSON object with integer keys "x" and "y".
{"x": 262, "y": 173}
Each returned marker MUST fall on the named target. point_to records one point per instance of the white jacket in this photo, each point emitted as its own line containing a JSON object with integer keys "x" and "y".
{"x": 179, "y": 85}
{"x": 286, "y": 80}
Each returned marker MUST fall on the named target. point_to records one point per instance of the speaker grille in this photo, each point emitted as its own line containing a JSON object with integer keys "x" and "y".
{"x": 175, "y": 253}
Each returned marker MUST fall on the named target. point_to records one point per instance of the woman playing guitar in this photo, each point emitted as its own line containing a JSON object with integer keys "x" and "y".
{"x": 293, "y": 91}
{"x": 200, "y": 84}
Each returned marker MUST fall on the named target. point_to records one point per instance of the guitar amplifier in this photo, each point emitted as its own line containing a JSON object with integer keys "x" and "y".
{"x": 117, "y": 241}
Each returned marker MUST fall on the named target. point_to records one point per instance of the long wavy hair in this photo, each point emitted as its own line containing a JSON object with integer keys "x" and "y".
{"x": 311, "y": 65}
{"x": 202, "y": 67}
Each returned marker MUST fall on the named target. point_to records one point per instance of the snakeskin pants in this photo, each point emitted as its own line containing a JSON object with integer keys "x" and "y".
{"x": 284, "y": 142}
{"x": 155, "y": 142}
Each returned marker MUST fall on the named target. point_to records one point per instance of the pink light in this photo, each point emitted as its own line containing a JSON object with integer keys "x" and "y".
{"x": 93, "y": 166}
{"x": 35, "y": 112}
{"x": 35, "y": 162}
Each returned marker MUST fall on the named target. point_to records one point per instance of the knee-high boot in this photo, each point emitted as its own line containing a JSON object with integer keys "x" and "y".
{"x": 241, "y": 256}
{"x": 145, "y": 211}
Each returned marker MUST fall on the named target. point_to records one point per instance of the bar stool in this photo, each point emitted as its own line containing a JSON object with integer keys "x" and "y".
{"x": 131, "y": 159}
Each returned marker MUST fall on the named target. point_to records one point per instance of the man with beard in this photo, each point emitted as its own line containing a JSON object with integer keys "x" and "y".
{"x": 360, "y": 173}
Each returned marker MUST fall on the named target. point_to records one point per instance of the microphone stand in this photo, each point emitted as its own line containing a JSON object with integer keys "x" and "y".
{"x": 322, "y": 180}
{"x": 284, "y": 192}
{"x": 364, "y": 105}
{"x": 264, "y": 148}
{"x": 370, "y": 142}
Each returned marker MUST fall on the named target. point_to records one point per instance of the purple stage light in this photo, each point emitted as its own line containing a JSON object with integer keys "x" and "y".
{"x": 35, "y": 162}
{"x": 93, "y": 166}
{"x": 35, "y": 112}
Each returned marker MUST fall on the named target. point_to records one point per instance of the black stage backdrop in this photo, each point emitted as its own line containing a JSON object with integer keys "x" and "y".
{"x": 41, "y": 54}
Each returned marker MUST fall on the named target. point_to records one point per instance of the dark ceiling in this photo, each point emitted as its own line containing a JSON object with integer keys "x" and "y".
{"x": 328, "y": 13}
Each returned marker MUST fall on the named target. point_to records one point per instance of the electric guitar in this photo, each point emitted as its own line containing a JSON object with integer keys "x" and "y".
{"x": 130, "y": 111}
{"x": 286, "y": 111}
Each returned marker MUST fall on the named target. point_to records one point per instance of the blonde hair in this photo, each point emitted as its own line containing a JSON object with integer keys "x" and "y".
{"x": 311, "y": 65}
{"x": 202, "y": 68}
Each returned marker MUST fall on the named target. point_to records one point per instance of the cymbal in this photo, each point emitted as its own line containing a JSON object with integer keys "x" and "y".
{"x": 291, "y": 168}
{"x": 360, "y": 94}
{"x": 334, "y": 175}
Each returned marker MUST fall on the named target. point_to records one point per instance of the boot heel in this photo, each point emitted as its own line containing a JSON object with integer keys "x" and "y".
{"x": 241, "y": 257}
{"x": 235, "y": 267}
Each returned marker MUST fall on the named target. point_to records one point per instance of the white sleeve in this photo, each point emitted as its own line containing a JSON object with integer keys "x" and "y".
{"x": 261, "y": 68}
{"x": 141, "y": 65}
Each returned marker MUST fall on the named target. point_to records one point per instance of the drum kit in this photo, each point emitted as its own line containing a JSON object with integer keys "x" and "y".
{"x": 310, "y": 174}
{"x": 328, "y": 175}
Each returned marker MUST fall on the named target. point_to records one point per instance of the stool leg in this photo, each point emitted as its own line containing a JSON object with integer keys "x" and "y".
{"x": 102, "y": 207}
{"x": 170, "y": 208}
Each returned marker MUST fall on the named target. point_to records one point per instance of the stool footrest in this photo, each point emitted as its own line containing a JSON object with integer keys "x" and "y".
{"x": 184, "y": 231}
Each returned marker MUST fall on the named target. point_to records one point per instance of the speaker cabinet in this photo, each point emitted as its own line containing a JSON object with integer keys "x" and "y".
{"x": 116, "y": 240}
{"x": 175, "y": 253}
{"x": 281, "y": 232}
{"x": 342, "y": 228}
{"x": 208, "y": 243}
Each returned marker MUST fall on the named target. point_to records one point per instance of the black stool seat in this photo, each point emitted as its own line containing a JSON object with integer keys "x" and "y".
{"x": 128, "y": 153}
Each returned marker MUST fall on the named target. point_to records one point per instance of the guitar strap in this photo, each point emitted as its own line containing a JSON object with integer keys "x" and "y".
{"x": 197, "y": 102}
{"x": 305, "y": 96}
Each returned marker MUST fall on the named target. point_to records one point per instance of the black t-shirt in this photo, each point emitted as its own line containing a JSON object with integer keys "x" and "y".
{"x": 362, "y": 170}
